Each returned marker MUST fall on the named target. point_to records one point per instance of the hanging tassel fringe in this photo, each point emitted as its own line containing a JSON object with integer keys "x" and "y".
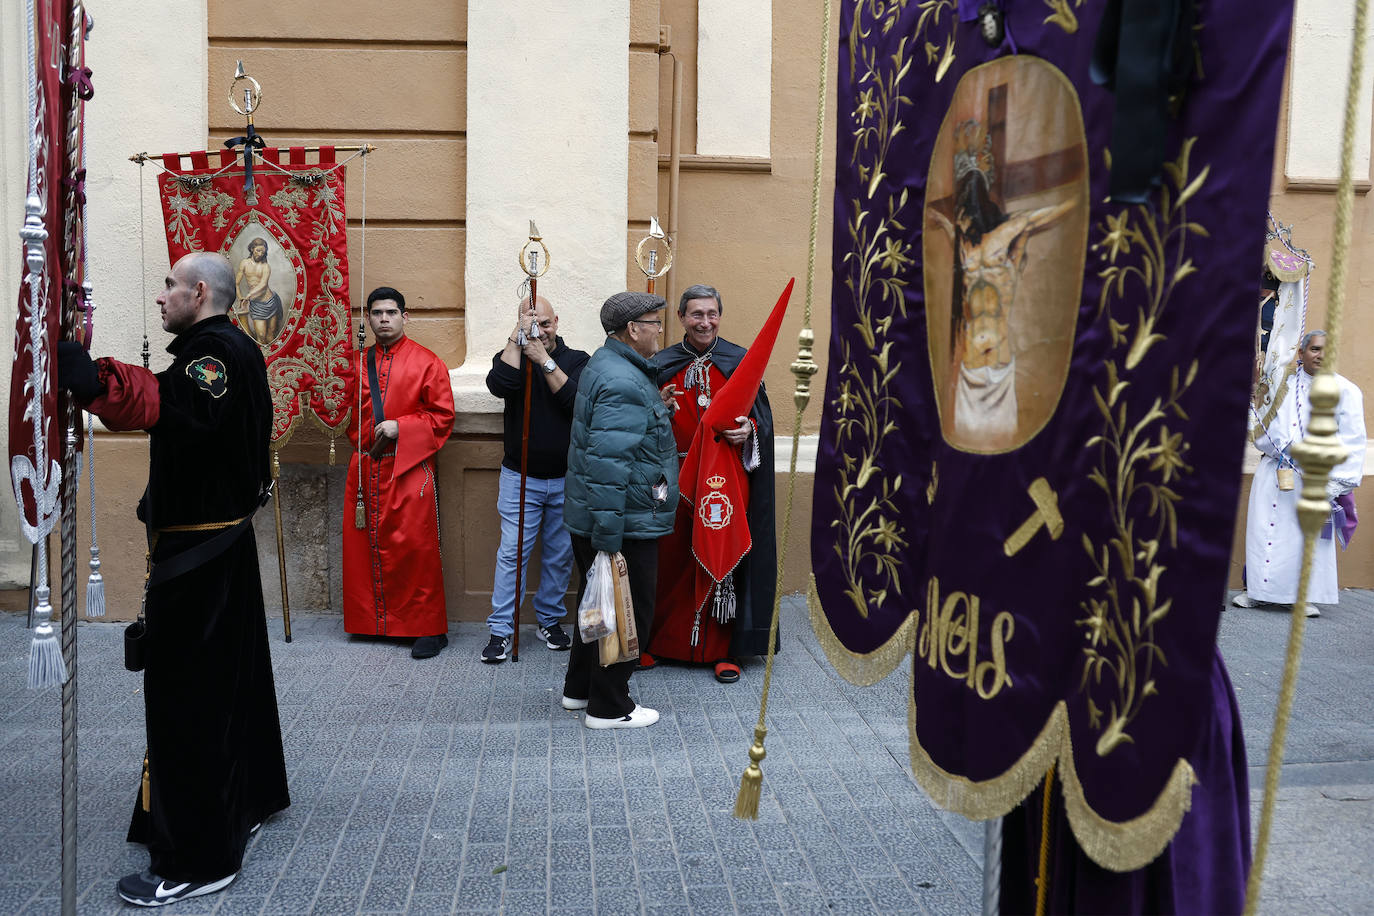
{"x": 95, "y": 585}
{"x": 723, "y": 608}
{"x": 359, "y": 516}
{"x": 46, "y": 668}
{"x": 751, "y": 783}
{"x": 95, "y": 588}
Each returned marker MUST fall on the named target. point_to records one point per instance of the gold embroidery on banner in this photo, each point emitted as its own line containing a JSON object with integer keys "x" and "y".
{"x": 950, "y": 630}
{"x": 1062, "y": 15}
{"x": 1138, "y": 458}
{"x": 930, "y": 18}
{"x": 869, "y": 535}
{"x": 861, "y": 668}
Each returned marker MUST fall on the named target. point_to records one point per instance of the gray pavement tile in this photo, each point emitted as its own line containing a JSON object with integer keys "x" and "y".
{"x": 673, "y": 910}
{"x": 386, "y": 894}
{"x": 661, "y": 888}
{"x": 950, "y": 904}
{"x": 710, "y": 900}
{"x": 570, "y": 886}
{"x": 758, "y": 907}
{"x": 613, "y": 871}
{"x": 701, "y": 869}
{"x": 236, "y": 905}
{"x": 618, "y": 902}
{"x": 430, "y": 904}
{"x": 483, "y": 892}
{"x": 524, "y": 902}
{"x": 340, "y": 904}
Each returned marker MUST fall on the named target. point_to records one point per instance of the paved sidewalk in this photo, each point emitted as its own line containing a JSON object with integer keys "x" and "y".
{"x": 452, "y": 786}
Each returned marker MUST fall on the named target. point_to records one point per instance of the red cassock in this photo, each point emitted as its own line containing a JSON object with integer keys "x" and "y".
{"x": 393, "y": 579}
{"x": 711, "y": 524}
{"x": 684, "y": 587}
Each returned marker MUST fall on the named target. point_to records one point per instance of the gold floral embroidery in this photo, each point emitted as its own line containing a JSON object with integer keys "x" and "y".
{"x": 870, "y": 539}
{"x": 1062, "y": 15}
{"x": 1138, "y": 458}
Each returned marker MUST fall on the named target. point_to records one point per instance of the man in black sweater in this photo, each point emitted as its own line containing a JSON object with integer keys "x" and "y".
{"x": 553, "y": 389}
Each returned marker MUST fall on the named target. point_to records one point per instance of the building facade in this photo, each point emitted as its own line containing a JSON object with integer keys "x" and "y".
{"x": 492, "y": 113}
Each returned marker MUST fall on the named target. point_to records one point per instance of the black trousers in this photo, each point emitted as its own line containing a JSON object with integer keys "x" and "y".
{"x": 607, "y": 690}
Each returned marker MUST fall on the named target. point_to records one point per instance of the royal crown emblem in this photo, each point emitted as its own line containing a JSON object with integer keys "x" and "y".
{"x": 715, "y": 481}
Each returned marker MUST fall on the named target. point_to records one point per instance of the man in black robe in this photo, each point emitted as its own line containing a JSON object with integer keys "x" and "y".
{"x": 214, "y": 768}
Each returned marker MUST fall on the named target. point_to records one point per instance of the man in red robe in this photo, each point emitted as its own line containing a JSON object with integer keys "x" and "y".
{"x": 695, "y": 619}
{"x": 393, "y": 580}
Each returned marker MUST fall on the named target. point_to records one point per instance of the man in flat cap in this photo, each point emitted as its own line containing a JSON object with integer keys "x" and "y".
{"x": 621, "y": 492}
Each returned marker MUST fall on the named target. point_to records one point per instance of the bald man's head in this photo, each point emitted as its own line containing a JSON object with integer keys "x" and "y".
{"x": 217, "y": 275}
{"x": 544, "y": 317}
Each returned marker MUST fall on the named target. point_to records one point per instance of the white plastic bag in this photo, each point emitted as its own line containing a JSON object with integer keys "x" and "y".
{"x": 596, "y": 614}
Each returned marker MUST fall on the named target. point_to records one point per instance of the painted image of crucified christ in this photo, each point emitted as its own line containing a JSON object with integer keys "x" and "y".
{"x": 991, "y": 249}
{"x": 1000, "y": 301}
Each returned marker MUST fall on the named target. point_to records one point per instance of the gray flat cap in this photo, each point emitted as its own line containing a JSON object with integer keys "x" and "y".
{"x": 617, "y": 311}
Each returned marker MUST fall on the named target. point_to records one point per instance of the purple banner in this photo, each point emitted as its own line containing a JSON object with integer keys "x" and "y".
{"x": 1035, "y": 411}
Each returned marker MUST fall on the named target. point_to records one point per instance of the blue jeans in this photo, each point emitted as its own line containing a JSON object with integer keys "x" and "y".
{"x": 543, "y": 520}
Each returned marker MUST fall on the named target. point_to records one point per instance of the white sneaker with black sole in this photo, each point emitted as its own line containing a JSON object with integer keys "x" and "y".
{"x": 147, "y": 889}
{"x": 496, "y": 650}
{"x": 638, "y": 717}
{"x": 573, "y": 702}
{"x": 555, "y": 638}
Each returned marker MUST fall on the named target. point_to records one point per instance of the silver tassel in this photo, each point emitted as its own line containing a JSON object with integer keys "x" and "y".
{"x": 46, "y": 668}
{"x": 95, "y": 585}
{"x": 723, "y": 608}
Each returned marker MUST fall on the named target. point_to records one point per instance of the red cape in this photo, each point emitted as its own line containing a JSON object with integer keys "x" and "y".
{"x": 711, "y": 478}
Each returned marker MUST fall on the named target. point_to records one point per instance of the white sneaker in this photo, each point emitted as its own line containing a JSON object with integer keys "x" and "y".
{"x": 1312, "y": 611}
{"x": 638, "y": 717}
{"x": 1244, "y": 600}
{"x": 573, "y": 703}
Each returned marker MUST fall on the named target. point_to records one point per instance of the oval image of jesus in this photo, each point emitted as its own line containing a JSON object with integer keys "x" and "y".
{"x": 265, "y": 283}
{"x": 1006, "y": 228}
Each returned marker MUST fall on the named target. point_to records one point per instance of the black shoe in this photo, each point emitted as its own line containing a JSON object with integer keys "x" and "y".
{"x": 555, "y": 638}
{"x": 496, "y": 650}
{"x": 429, "y": 646}
{"x": 147, "y": 889}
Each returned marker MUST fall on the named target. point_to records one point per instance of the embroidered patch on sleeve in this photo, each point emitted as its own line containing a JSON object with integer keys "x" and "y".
{"x": 209, "y": 373}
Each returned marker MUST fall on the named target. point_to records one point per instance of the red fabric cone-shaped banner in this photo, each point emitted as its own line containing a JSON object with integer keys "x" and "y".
{"x": 711, "y": 478}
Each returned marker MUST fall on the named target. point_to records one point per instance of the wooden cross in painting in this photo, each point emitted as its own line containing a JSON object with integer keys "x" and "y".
{"x": 1024, "y": 176}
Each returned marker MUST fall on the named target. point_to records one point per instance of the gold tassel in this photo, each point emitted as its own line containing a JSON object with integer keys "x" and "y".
{"x": 359, "y": 516}
{"x": 331, "y": 453}
{"x": 751, "y": 783}
{"x": 147, "y": 786}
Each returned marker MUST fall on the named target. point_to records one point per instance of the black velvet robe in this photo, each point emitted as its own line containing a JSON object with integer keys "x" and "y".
{"x": 215, "y": 761}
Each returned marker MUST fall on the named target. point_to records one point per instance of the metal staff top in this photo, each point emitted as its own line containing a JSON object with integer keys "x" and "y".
{"x": 529, "y": 263}
{"x": 655, "y": 242}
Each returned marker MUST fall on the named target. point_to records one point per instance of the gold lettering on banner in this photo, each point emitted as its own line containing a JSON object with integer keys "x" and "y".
{"x": 949, "y": 634}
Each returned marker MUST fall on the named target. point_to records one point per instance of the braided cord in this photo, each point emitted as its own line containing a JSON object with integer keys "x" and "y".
{"x": 1345, "y": 196}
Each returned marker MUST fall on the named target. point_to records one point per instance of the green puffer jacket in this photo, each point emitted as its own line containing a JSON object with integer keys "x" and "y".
{"x": 621, "y": 448}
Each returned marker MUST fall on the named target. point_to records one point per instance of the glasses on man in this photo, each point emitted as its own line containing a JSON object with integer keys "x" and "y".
{"x": 656, "y": 322}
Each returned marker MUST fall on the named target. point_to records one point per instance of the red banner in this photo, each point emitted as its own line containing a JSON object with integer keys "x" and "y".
{"x": 53, "y": 134}
{"x": 286, "y": 239}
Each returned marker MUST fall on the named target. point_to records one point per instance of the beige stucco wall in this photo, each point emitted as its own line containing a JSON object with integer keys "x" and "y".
{"x": 742, "y": 225}
{"x": 734, "y": 76}
{"x": 546, "y": 127}
{"x": 1320, "y": 61}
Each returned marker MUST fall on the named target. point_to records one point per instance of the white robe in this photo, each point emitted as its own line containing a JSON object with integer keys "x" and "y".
{"x": 1273, "y": 540}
